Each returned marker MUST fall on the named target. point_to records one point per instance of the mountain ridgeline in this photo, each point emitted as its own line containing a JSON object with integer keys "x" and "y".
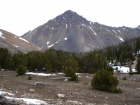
{"x": 73, "y": 33}
{"x": 15, "y": 43}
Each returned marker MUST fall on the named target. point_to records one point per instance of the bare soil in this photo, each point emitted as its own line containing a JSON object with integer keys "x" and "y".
{"x": 74, "y": 93}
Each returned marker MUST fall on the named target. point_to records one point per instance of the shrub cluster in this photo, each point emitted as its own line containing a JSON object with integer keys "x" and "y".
{"x": 105, "y": 81}
{"x": 21, "y": 70}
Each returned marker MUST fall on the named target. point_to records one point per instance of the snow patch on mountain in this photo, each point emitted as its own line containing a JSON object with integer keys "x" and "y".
{"x": 90, "y": 23}
{"x": 115, "y": 32}
{"x": 51, "y": 46}
{"x": 58, "y": 41}
{"x": 64, "y": 18}
{"x": 15, "y": 45}
{"x": 23, "y": 39}
{"x": 123, "y": 28}
{"x": 92, "y": 30}
{"x": 65, "y": 38}
{"x": 66, "y": 25}
{"x": 119, "y": 31}
{"x": 1, "y": 35}
{"x": 121, "y": 38}
{"x": 109, "y": 31}
{"x": 48, "y": 42}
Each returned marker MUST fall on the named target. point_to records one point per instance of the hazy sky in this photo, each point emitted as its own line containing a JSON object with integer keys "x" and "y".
{"x": 20, "y": 16}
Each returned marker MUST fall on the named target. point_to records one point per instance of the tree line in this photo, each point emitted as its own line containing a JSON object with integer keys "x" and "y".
{"x": 52, "y": 60}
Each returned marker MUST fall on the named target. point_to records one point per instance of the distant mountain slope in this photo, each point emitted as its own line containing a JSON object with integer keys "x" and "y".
{"x": 71, "y": 32}
{"x": 14, "y": 43}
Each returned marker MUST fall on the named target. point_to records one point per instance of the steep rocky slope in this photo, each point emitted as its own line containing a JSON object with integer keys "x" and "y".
{"x": 71, "y": 32}
{"x": 14, "y": 43}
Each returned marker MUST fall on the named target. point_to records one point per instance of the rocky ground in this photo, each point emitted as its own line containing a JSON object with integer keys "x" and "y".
{"x": 60, "y": 92}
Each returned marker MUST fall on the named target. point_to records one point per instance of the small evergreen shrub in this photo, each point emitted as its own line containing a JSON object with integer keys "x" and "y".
{"x": 71, "y": 73}
{"x": 21, "y": 70}
{"x": 130, "y": 73}
{"x": 76, "y": 81}
{"x": 105, "y": 81}
{"x": 115, "y": 90}
{"x": 92, "y": 71}
{"x": 30, "y": 77}
{"x": 124, "y": 78}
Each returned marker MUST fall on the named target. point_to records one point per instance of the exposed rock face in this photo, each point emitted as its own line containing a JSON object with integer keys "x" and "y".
{"x": 14, "y": 43}
{"x": 71, "y": 32}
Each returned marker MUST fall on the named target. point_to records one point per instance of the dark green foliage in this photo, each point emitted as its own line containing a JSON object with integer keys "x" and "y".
{"x": 71, "y": 64}
{"x": 124, "y": 78}
{"x": 105, "y": 81}
{"x": 55, "y": 60}
{"x": 93, "y": 60}
{"x": 71, "y": 73}
{"x": 92, "y": 71}
{"x": 109, "y": 68}
{"x": 48, "y": 66}
{"x": 30, "y": 77}
{"x": 21, "y": 70}
{"x": 138, "y": 65}
{"x": 70, "y": 69}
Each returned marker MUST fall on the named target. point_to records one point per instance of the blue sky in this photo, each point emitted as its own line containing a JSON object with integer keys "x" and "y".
{"x": 20, "y": 16}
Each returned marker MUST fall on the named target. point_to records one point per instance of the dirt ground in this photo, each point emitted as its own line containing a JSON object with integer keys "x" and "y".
{"x": 80, "y": 93}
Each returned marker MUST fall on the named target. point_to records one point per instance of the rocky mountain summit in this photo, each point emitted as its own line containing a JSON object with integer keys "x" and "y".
{"x": 72, "y": 32}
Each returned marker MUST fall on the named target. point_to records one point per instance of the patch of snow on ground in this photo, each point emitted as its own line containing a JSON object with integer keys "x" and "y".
{"x": 3, "y": 93}
{"x": 123, "y": 28}
{"x": 40, "y": 74}
{"x": 15, "y": 45}
{"x": 60, "y": 73}
{"x": 123, "y": 69}
{"x": 138, "y": 27}
{"x": 52, "y": 28}
{"x": 28, "y": 101}
{"x": 93, "y": 31}
{"x": 23, "y": 39}
{"x": 73, "y": 102}
{"x": 51, "y": 46}
{"x": 65, "y": 38}
{"x": 10, "y": 97}
{"x": 1, "y": 35}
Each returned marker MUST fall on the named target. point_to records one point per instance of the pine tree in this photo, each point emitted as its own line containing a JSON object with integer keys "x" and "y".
{"x": 21, "y": 70}
{"x": 105, "y": 81}
{"x": 138, "y": 65}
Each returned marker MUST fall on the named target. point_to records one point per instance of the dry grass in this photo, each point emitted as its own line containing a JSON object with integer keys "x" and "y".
{"x": 78, "y": 93}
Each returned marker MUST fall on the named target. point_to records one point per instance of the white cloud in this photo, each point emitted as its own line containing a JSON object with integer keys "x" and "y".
{"x": 20, "y": 16}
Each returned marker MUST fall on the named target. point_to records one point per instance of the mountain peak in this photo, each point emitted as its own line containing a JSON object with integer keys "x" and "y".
{"x": 70, "y": 12}
{"x": 71, "y": 17}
